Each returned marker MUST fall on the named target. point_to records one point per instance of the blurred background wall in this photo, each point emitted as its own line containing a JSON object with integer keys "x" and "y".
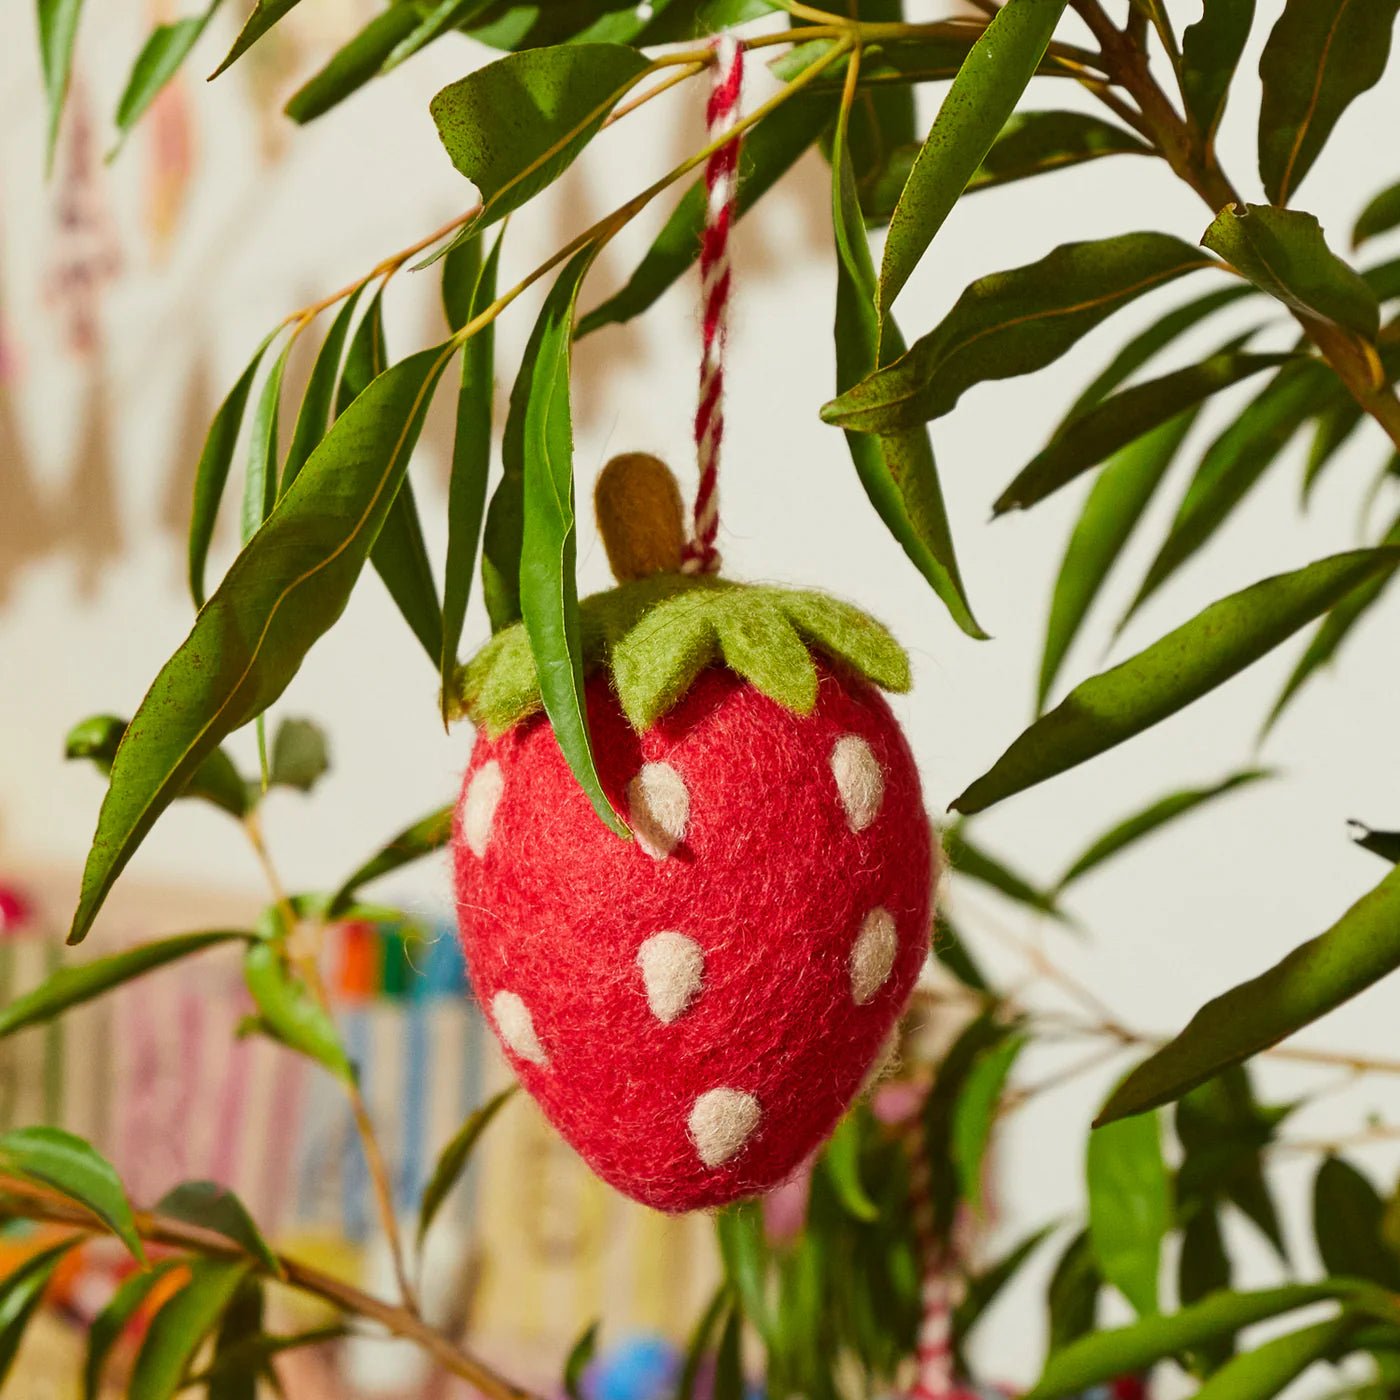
{"x": 219, "y": 217}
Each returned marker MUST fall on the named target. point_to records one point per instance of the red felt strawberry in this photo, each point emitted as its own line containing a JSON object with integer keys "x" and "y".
{"x": 694, "y": 1009}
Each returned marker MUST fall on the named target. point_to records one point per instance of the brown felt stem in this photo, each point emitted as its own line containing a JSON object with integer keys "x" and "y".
{"x": 640, "y": 516}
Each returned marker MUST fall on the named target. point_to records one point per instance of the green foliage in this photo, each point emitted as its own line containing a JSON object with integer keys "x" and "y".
{"x": 58, "y": 33}
{"x": 288, "y": 1012}
{"x": 456, "y": 1157}
{"x": 214, "y": 1207}
{"x": 1348, "y": 1216}
{"x": 1038, "y": 143}
{"x": 425, "y": 836}
{"x": 109, "y": 1325}
{"x": 21, "y": 1292}
{"x": 1210, "y": 51}
{"x": 160, "y": 59}
{"x": 1130, "y": 1207}
{"x": 180, "y": 1327}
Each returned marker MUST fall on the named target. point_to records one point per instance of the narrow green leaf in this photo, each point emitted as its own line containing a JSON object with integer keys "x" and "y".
{"x": 1379, "y": 216}
{"x": 111, "y": 1323}
{"x": 577, "y": 1362}
{"x": 1321, "y": 55}
{"x": 286, "y": 588}
{"x": 300, "y": 755}
{"x": 1348, "y": 1215}
{"x": 211, "y": 476}
{"x": 319, "y": 399}
{"x": 1283, "y": 252}
{"x": 21, "y": 1293}
{"x": 1385, "y": 844}
{"x": 982, "y": 96}
{"x": 82, "y": 982}
{"x": 841, "y": 1159}
{"x": 1010, "y": 323}
{"x": 70, "y": 1165}
{"x": 443, "y": 17}
{"x": 181, "y": 1325}
{"x": 352, "y": 65}
{"x": 58, "y": 32}
{"x": 729, "y": 1365}
{"x": 1035, "y": 143}
{"x": 984, "y": 1287}
{"x": 950, "y": 948}
{"x": 768, "y": 152}
{"x": 742, "y": 1247}
{"x": 1358, "y": 950}
{"x": 517, "y": 124}
{"x": 1204, "y": 1268}
{"x": 1210, "y": 53}
{"x": 897, "y": 470}
{"x": 1112, "y": 510}
{"x": 260, "y": 480}
{"x": 1152, "y": 818}
{"x": 1103, "y": 1355}
{"x": 548, "y": 587}
{"x": 1334, "y": 427}
{"x": 700, "y": 1341}
{"x": 455, "y": 1158}
{"x": 214, "y": 1207}
{"x": 254, "y": 1353}
{"x": 289, "y": 1013}
{"x": 1073, "y": 1294}
{"x": 159, "y": 60}
{"x": 468, "y": 287}
{"x": 1334, "y": 629}
{"x": 1130, "y": 1207}
{"x": 975, "y": 1114}
{"x": 1265, "y": 1370}
{"x": 1235, "y": 462}
{"x": 237, "y": 1369}
{"x": 1175, "y": 670}
{"x": 969, "y": 860}
{"x": 265, "y": 14}
{"x": 425, "y": 836}
{"x": 1113, "y": 423}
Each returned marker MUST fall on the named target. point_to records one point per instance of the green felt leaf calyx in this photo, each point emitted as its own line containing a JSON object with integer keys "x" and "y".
{"x": 655, "y": 635}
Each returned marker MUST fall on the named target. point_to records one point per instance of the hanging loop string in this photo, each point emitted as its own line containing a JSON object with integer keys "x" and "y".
{"x": 721, "y": 182}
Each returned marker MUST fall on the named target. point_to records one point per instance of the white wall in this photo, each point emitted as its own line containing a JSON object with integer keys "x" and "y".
{"x": 1194, "y": 911}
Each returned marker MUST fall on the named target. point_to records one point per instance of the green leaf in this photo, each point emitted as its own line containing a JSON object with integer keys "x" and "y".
{"x": 399, "y": 555}
{"x": 1130, "y": 1207}
{"x": 1152, "y": 818}
{"x": 353, "y": 64}
{"x": 1385, "y": 844}
{"x": 111, "y": 1323}
{"x": 580, "y": 1355}
{"x": 700, "y": 1342}
{"x": 82, "y": 982}
{"x": 211, "y": 476}
{"x": 159, "y": 60}
{"x": 58, "y": 32}
{"x": 300, "y": 755}
{"x": 1112, "y": 510}
{"x": 319, "y": 398}
{"x": 1034, "y": 143}
{"x": 975, "y": 1114}
{"x": 443, "y": 17}
{"x": 1358, "y": 950}
{"x": 425, "y": 836}
{"x": 972, "y": 862}
{"x": 1321, "y": 55}
{"x": 216, "y": 780}
{"x": 1112, "y": 424}
{"x": 739, "y": 1229}
{"x": 238, "y": 1366}
{"x": 1010, "y": 323}
{"x": 729, "y": 1365}
{"x": 841, "y": 1160}
{"x": 897, "y": 470}
{"x": 1210, "y": 53}
{"x": 181, "y": 1325}
{"x": 1283, "y": 252}
{"x": 260, "y": 479}
{"x": 950, "y": 948}
{"x": 56, "y": 1158}
{"x": 1103, "y": 1355}
{"x": 455, "y": 1157}
{"x": 984, "y": 1287}
{"x": 1334, "y": 426}
{"x": 468, "y": 287}
{"x": 21, "y": 1293}
{"x": 1204, "y": 1268}
{"x": 265, "y": 14}
{"x": 1073, "y": 1293}
{"x": 286, "y": 588}
{"x": 1267, "y": 1369}
{"x": 517, "y": 124}
{"x": 982, "y": 96}
{"x": 1334, "y": 629}
{"x": 548, "y": 587}
{"x": 1179, "y": 668}
{"x": 1234, "y": 463}
{"x": 1348, "y": 1215}
{"x": 1380, "y": 215}
{"x": 214, "y": 1207}
{"x": 288, "y": 1012}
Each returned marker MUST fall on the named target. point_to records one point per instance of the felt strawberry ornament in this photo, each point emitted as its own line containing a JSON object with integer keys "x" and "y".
{"x": 695, "y": 1008}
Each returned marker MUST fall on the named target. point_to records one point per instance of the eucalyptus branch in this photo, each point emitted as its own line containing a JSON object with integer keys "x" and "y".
{"x": 40, "y": 1204}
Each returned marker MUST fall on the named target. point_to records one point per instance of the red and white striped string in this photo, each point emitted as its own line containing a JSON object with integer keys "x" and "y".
{"x": 721, "y": 182}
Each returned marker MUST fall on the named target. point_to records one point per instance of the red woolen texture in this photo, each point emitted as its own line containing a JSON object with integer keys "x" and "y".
{"x": 769, "y": 881}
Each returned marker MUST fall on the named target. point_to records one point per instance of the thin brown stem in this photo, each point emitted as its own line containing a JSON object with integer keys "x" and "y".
{"x": 40, "y": 1203}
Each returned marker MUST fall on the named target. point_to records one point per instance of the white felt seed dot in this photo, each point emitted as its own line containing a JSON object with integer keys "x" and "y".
{"x": 517, "y": 1027}
{"x": 859, "y": 779}
{"x": 672, "y": 967}
{"x": 873, "y": 955}
{"x": 659, "y": 806}
{"x": 480, "y": 803}
{"x": 721, "y": 1122}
